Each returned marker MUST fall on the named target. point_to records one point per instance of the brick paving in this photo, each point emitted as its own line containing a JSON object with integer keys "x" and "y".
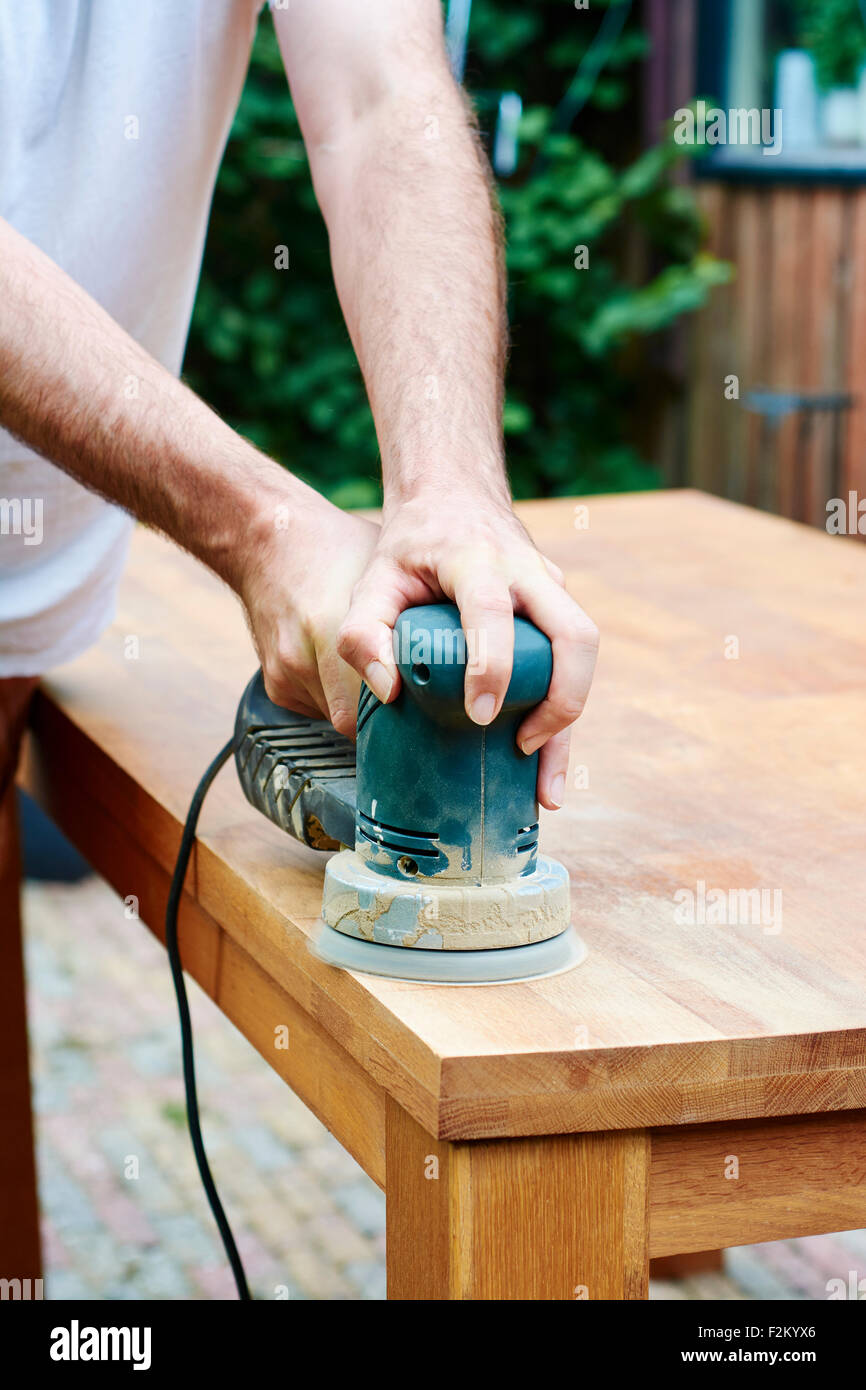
{"x": 124, "y": 1216}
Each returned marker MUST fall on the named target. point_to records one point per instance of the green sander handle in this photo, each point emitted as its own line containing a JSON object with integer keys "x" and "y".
{"x": 436, "y": 793}
{"x": 432, "y": 653}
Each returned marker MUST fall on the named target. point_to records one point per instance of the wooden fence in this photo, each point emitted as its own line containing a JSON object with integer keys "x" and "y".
{"x": 792, "y": 323}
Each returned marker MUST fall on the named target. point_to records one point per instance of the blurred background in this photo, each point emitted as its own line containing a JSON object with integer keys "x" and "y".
{"x": 644, "y": 273}
{"x": 684, "y": 312}
{"x": 588, "y": 376}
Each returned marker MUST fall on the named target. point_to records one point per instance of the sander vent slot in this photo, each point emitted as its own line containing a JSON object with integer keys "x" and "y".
{"x": 319, "y": 749}
{"x": 309, "y": 745}
{"x": 300, "y": 772}
{"x": 302, "y": 752}
{"x": 394, "y": 837}
{"x": 292, "y": 771}
{"x": 382, "y": 843}
{"x": 398, "y": 829}
{"x": 527, "y": 838}
{"x": 319, "y": 761}
{"x": 254, "y": 740}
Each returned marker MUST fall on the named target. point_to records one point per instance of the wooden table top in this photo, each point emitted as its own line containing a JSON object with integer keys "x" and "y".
{"x": 692, "y": 765}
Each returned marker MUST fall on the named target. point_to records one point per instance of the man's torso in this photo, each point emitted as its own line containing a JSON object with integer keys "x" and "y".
{"x": 113, "y": 119}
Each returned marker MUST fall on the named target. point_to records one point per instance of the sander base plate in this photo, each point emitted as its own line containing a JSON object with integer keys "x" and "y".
{"x": 414, "y": 965}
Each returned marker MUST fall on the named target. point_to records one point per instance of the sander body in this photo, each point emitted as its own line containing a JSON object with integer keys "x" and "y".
{"x": 437, "y": 875}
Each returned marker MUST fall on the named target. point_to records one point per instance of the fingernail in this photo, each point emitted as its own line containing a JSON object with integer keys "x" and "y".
{"x": 481, "y": 709}
{"x": 531, "y": 745}
{"x": 557, "y": 789}
{"x": 379, "y": 681}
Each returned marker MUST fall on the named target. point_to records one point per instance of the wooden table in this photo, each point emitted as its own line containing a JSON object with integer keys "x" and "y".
{"x": 690, "y": 1086}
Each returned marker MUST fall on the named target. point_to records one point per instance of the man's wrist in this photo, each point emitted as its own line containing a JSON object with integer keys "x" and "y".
{"x": 262, "y": 505}
{"x": 479, "y": 480}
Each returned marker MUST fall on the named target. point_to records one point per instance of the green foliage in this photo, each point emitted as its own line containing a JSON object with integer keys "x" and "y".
{"x": 174, "y": 1113}
{"x": 834, "y": 33}
{"x": 269, "y": 349}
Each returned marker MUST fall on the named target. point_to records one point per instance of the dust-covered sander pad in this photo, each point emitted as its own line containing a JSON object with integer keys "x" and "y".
{"x": 447, "y": 932}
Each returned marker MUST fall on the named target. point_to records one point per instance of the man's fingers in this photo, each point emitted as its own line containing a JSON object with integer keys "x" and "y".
{"x": 341, "y": 686}
{"x": 574, "y": 638}
{"x": 554, "y": 571}
{"x": 302, "y": 695}
{"x": 487, "y": 616}
{"x": 365, "y": 638}
{"x": 487, "y": 600}
{"x": 553, "y": 769}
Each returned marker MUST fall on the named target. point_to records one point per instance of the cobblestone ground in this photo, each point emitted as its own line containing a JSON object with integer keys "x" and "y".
{"x": 109, "y": 1101}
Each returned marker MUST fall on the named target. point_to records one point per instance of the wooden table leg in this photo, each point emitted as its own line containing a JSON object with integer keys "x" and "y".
{"x": 556, "y": 1217}
{"x": 20, "y": 1256}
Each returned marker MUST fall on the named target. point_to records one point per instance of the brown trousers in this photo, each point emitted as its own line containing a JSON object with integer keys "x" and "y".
{"x": 19, "y": 1229}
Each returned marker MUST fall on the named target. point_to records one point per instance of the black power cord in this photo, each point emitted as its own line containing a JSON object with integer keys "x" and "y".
{"x": 171, "y": 943}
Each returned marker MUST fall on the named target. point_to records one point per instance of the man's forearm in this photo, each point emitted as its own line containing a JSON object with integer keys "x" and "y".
{"x": 416, "y": 246}
{"x": 77, "y": 389}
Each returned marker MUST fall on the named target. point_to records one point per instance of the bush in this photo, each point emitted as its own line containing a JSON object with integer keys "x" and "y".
{"x": 833, "y": 31}
{"x": 270, "y": 350}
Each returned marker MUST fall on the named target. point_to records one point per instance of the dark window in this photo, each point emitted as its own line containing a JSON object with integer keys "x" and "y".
{"x": 805, "y": 59}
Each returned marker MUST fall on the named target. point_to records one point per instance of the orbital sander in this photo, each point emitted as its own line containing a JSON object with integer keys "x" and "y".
{"x": 437, "y": 875}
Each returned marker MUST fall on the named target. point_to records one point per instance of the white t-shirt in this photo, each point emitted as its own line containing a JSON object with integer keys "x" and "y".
{"x": 113, "y": 120}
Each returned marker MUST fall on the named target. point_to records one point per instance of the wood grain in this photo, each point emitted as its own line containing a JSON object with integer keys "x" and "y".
{"x": 742, "y": 773}
{"x": 556, "y": 1218}
{"x": 728, "y": 1184}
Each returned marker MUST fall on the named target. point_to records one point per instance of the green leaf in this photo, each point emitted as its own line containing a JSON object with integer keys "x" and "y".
{"x": 355, "y": 493}
{"x": 516, "y": 416}
{"x": 676, "y": 290}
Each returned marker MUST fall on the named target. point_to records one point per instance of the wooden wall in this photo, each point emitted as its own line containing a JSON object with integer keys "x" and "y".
{"x": 794, "y": 319}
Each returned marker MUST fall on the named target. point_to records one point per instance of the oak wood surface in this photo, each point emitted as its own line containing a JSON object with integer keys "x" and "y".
{"x": 742, "y": 773}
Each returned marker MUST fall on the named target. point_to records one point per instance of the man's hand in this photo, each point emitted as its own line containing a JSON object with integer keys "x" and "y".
{"x": 474, "y": 551}
{"x": 296, "y": 587}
